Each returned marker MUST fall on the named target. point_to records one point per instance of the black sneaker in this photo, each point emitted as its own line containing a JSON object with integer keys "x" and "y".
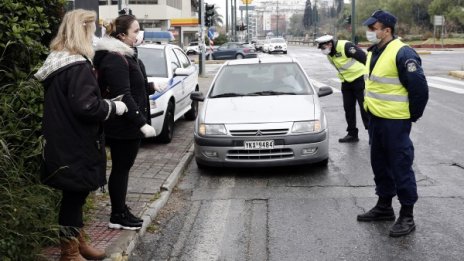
{"x": 378, "y": 214}
{"x": 348, "y": 138}
{"x": 122, "y": 221}
{"x": 132, "y": 217}
{"x": 402, "y": 227}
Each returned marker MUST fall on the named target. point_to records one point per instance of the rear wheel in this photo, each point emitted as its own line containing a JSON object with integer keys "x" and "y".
{"x": 239, "y": 56}
{"x": 168, "y": 125}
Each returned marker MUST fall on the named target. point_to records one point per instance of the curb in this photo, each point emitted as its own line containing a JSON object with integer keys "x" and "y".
{"x": 424, "y": 52}
{"x": 123, "y": 247}
{"x": 457, "y": 74}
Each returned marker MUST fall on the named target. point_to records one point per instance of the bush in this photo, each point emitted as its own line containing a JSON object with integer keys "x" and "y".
{"x": 29, "y": 209}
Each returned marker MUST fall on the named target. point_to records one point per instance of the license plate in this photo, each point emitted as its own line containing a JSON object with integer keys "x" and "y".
{"x": 259, "y": 145}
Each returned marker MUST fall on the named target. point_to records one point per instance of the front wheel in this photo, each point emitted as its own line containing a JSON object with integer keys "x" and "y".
{"x": 193, "y": 112}
{"x": 168, "y": 125}
{"x": 239, "y": 56}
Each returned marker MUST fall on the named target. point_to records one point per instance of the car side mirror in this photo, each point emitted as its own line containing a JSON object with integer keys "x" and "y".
{"x": 324, "y": 91}
{"x": 197, "y": 96}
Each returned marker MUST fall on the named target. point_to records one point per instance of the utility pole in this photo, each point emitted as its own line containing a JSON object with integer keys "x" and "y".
{"x": 247, "y": 40}
{"x": 277, "y": 18}
{"x": 235, "y": 20}
{"x": 227, "y": 17}
{"x": 353, "y": 24}
{"x": 201, "y": 42}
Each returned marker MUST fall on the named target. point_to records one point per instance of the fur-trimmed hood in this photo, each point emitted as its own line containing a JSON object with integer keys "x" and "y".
{"x": 112, "y": 44}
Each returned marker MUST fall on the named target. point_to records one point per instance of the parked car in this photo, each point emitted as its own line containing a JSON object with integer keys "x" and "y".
{"x": 261, "y": 112}
{"x": 266, "y": 43}
{"x": 233, "y": 50}
{"x": 277, "y": 45}
{"x": 175, "y": 77}
{"x": 259, "y": 45}
{"x": 192, "y": 48}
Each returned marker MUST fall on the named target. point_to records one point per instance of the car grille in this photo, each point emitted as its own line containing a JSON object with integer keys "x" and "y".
{"x": 285, "y": 153}
{"x": 267, "y": 132}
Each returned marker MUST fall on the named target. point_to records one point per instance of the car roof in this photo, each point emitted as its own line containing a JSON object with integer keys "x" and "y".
{"x": 277, "y": 59}
{"x": 157, "y": 46}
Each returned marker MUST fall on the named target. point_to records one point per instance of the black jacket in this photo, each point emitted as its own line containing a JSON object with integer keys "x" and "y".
{"x": 119, "y": 71}
{"x": 74, "y": 111}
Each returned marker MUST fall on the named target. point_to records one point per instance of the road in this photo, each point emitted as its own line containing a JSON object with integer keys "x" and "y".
{"x": 309, "y": 213}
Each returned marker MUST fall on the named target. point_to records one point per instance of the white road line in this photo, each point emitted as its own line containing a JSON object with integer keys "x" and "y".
{"x": 320, "y": 84}
{"x": 434, "y": 82}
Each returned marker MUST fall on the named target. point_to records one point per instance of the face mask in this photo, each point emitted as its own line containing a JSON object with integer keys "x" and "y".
{"x": 372, "y": 37}
{"x": 139, "y": 38}
{"x": 325, "y": 51}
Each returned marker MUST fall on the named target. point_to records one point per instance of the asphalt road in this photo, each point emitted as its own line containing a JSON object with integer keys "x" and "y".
{"x": 309, "y": 213}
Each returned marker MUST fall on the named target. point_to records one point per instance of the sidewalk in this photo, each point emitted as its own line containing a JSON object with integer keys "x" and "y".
{"x": 152, "y": 178}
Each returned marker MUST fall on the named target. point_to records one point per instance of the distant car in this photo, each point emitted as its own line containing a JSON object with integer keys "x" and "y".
{"x": 261, "y": 112}
{"x": 259, "y": 45}
{"x": 192, "y": 48}
{"x": 175, "y": 77}
{"x": 265, "y": 47}
{"x": 277, "y": 45}
{"x": 233, "y": 50}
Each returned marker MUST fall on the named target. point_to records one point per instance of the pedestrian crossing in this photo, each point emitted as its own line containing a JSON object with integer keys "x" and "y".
{"x": 446, "y": 84}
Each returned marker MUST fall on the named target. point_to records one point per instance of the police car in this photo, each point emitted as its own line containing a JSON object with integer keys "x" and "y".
{"x": 175, "y": 77}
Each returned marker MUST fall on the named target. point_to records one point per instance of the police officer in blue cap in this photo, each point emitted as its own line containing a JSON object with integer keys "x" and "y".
{"x": 396, "y": 95}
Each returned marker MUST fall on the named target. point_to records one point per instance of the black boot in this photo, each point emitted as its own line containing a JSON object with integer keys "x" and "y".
{"x": 382, "y": 211}
{"x": 349, "y": 138}
{"x": 405, "y": 223}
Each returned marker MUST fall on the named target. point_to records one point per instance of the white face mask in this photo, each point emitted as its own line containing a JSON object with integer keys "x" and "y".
{"x": 139, "y": 38}
{"x": 372, "y": 37}
{"x": 325, "y": 51}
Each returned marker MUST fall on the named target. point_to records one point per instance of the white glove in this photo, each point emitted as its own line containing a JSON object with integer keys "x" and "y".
{"x": 148, "y": 131}
{"x": 121, "y": 107}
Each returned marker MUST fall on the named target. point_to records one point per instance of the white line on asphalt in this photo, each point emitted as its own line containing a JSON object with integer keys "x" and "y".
{"x": 434, "y": 82}
{"x": 320, "y": 84}
{"x": 442, "y": 79}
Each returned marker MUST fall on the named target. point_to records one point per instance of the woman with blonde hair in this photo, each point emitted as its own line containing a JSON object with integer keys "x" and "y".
{"x": 120, "y": 73}
{"x": 74, "y": 112}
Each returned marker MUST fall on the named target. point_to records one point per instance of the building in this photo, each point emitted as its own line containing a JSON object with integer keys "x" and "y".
{"x": 176, "y": 16}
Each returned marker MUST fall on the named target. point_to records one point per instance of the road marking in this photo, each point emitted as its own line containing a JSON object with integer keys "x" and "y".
{"x": 443, "y": 84}
{"x": 320, "y": 84}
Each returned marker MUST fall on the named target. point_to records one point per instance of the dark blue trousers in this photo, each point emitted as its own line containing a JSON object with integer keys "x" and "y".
{"x": 392, "y": 155}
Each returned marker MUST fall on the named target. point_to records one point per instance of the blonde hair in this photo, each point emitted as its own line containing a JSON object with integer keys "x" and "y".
{"x": 76, "y": 32}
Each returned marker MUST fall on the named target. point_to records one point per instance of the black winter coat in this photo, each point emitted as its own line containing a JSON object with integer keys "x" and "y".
{"x": 119, "y": 72}
{"x": 74, "y": 111}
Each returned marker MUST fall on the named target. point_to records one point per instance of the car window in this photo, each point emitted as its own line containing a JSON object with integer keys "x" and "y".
{"x": 182, "y": 58}
{"x": 173, "y": 60}
{"x": 154, "y": 61}
{"x": 249, "y": 79}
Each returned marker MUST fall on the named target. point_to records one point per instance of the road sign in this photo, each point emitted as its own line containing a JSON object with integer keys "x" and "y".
{"x": 438, "y": 20}
{"x": 244, "y": 7}
{"x": 247, "y": 2}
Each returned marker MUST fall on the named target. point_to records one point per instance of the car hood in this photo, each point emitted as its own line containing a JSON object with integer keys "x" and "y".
{"x": 259, "y": 109}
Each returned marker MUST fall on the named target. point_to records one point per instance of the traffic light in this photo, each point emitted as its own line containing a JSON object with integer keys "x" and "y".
{"x": 209, "y": 13}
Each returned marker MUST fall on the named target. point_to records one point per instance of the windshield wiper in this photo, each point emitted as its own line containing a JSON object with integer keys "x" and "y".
{"x": 227, "y": 94}
{"x": 272, "y": 93}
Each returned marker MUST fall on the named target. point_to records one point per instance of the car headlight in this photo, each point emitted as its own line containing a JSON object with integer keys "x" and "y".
{"x": 306, "y": 126}
{"x": 212, "y": 129}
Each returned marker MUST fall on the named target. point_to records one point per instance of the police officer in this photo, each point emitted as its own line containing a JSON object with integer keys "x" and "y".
{"x": 349, "y": 61}
{"x": 396, "y": 95}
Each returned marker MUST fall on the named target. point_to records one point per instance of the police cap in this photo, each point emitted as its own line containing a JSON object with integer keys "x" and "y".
{"x": 383, "y": 17}
{"x": 323, "y": 40}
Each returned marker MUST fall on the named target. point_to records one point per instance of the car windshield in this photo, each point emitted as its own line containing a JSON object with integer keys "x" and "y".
{"x": 277, "y": 40}
{"x": 154, "y": 61}
{"x": 261, "y": 79}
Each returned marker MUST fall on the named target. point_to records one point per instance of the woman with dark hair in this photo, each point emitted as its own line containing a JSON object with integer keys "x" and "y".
{"x": 120, "y": 74}
{"x": 74, "y": 111}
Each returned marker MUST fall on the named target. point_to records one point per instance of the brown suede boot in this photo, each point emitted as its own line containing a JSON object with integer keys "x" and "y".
{"x": 70, "y": 249}
{"x": 87, "y": 250}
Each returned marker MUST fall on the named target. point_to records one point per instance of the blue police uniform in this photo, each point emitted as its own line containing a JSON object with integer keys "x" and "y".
{"x": 392, "y": 151}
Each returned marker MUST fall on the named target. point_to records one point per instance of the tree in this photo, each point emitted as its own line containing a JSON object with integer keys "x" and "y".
{"x": 296, "y": 25}
{"x": 307, "y": 17}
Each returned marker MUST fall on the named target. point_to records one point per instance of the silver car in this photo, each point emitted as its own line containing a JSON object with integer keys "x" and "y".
{"x": 261, "y": 112}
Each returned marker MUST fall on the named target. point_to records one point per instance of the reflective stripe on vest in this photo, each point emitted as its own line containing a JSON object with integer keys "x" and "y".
{"x": 385, "y": 96}
{"x": 348, "y": 68}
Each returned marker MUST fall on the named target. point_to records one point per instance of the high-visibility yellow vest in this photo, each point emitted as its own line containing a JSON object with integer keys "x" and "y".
{"x": 385, "y": 96}
{"x": 348, "y": 68}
